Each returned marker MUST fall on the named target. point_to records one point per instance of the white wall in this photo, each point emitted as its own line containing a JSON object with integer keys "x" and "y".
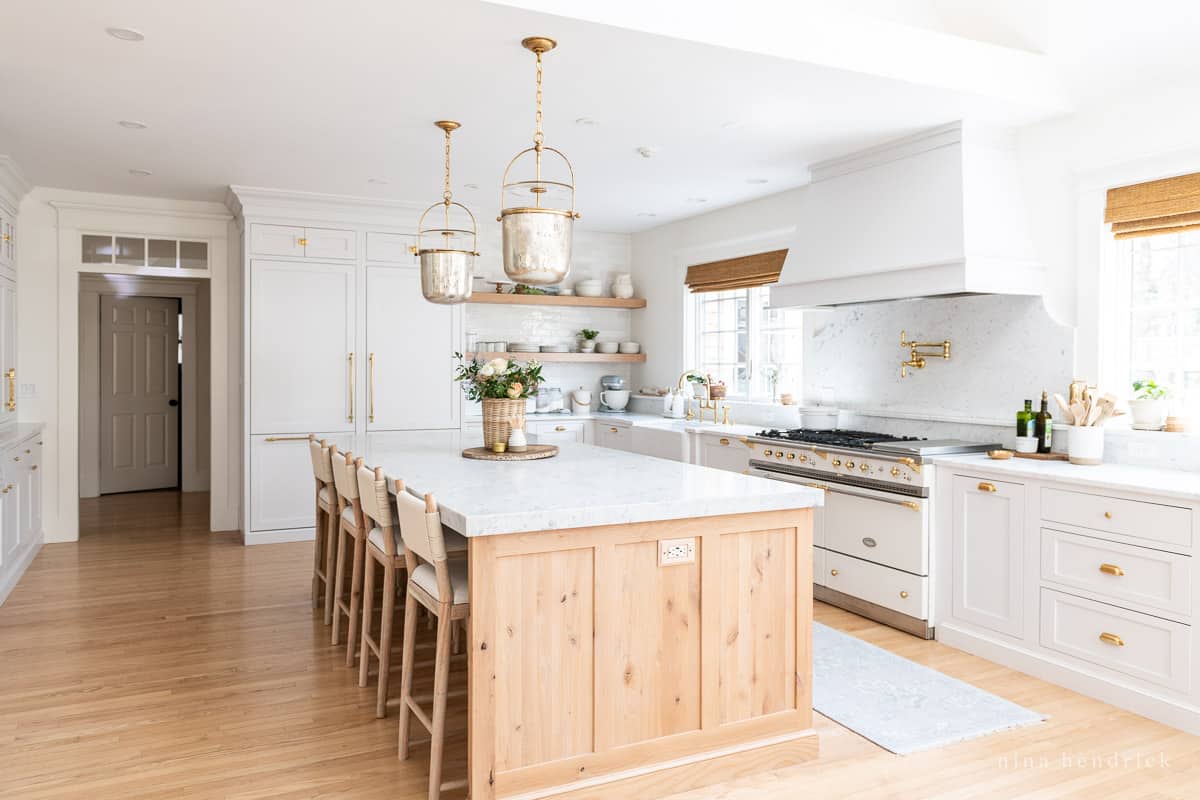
{"x": 48, "y": 319}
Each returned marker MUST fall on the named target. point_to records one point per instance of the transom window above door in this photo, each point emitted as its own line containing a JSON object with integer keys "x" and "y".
{"x": 143, "y": 251}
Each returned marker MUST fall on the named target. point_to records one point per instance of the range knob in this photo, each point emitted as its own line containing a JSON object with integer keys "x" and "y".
{"x": 895, "y": 472}
{"x": 849, "y": 465}
{"x": 865, "y": 467}
{"x": 791, "y": 456}
{"x": 768, "y": 454}
{"x": 803, "y": 459}
{"x": 837, "y": 462}
{"x": 779, "y": 454}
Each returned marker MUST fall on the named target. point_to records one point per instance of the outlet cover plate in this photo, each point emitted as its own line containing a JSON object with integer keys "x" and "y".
{"x": 676, "y": 551}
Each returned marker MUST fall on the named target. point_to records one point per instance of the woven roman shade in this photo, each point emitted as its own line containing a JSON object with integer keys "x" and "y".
{"x": 1170, "y": 205}
{"x": 736, "y": 273}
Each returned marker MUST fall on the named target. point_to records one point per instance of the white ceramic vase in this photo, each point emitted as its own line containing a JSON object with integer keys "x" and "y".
{"x": 1085, "y": 444}
{"x": 1148, "y": 414}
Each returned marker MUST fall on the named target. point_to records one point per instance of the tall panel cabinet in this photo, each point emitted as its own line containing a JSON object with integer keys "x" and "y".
{"x": 339, "y": 343}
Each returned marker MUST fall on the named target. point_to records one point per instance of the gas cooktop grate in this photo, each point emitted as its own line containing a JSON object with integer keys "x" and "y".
{"x": 837, "y": 437}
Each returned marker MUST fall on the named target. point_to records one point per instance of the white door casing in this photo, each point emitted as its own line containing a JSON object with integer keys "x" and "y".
{"x": 139, "y": 393}
{"x": 410, "y": 366}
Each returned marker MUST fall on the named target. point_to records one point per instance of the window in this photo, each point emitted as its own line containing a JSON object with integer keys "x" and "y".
{"x": 744, "y": 343}
{"x": 1159, "y": 331}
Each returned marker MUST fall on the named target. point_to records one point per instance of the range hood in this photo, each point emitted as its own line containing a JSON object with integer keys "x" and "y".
{"x": 935, "y": 214}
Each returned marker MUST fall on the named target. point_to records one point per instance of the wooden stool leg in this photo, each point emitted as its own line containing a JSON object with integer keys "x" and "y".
{"x": 331, "y": 537}
{"x": 441, "y": 680}
{"x": 364, "y": 655}
{"x": 318, "y": 553}
{"x": 339, "y": 584}
{"x": 407, "y": 654}
{"x": 385, "y": 638}
{"x": 356, "y": 590}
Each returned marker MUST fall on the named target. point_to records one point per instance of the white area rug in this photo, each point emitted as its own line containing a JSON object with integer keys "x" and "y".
{"x": 898, "y": 704}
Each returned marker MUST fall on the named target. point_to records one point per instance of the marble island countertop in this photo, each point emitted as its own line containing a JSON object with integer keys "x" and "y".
{"x": 580, "y": 487}
{"x": 1120, "y": 477}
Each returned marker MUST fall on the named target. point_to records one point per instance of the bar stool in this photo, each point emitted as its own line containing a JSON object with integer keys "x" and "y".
{"x": 326, "y": 505}
{"x": 385, "y": 549}
{"x": 440, "y": 585}
{"x": 351, "y": 544}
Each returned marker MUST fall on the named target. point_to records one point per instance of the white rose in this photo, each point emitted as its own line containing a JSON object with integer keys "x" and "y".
{"x": 486, "y": 371}
{"x": 498, "y": 365}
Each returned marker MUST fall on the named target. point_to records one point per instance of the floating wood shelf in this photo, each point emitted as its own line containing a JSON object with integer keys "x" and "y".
{"x": 605, "y": 358}
{"x": 494, "y": 298}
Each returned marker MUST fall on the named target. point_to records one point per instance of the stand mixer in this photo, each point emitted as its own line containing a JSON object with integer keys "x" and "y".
{"x": 613, "y": 395}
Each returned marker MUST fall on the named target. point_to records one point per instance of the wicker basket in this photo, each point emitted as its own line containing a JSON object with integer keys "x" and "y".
{"x": 496, "y": 414}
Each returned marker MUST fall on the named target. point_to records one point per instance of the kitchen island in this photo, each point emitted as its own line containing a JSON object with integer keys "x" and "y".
{"x": 638, "y": 626}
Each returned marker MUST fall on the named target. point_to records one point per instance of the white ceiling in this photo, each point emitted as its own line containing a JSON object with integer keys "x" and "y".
{"x": 318, "y": 96}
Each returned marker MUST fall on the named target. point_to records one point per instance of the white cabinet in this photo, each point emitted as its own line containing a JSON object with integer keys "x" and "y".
{"x": 556, "y": 431}
{"x": 721, "y": 451}
{"x": 665, "y": 443}
{"x": 20, "y": 509}
{"x": 302, "y": 347}
{"x": 281, "y": 481}
{"x": 8, "y": 239}
{"x": 618, "y": 437}
{"x": 988, "y": 535}
{"x": 292, "y": 241}
{"x": 8, "y": 350}
{"x": 391, "y": 248}
{"x": 410, "y": 347}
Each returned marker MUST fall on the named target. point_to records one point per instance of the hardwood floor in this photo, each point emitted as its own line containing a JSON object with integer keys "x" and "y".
{"x": 153, "y": 659}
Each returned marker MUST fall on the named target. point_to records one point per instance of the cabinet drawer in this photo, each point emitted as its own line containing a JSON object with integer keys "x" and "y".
{"x": 390, "y": 248}
{"x": 1140, "y": 646}
{"x": 556, "y": 432}
{"x": 330, "y": 243}
{"x": 882, "y": 586}
{"x": 1149, "y": 521}
{"x": 877, "y": 527}
{"x": 616, "y": 436}
{"x": 1121, "y": 572}
{"x": 277, "y": 240}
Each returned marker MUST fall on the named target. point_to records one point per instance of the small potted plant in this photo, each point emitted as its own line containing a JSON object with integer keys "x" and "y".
{"x": 699, "y": 386}
{"x": 588, "y": 345}
{"x": 502, "y": 386}
{"x": 1149, "y": 405}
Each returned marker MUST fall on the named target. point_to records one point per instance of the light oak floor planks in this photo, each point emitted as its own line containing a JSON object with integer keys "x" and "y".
{"x": 153, "y": 659}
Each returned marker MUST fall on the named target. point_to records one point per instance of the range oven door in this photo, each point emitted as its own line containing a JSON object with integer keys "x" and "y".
{"x": 885, "y": 528}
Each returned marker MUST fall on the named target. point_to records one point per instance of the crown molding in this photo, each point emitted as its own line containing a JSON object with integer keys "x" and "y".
{"x": 13, "y": 185}
{"x": 286, "y": 205}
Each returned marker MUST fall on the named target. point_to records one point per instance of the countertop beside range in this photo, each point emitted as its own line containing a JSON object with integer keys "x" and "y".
{"x": 1118, "y": 477}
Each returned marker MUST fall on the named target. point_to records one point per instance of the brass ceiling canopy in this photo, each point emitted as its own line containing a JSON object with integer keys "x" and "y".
{"x": 447, "y": 268}
{"x": 537, "y": 215}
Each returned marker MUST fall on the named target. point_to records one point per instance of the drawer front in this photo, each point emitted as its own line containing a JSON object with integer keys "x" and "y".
{"x": 1149, "y": 521}
{"x": 615, "y": 436}
{"x": 330, "y": 243}
{"x": 1140, "y": 646}
{"x": 883, "y": 586}
{"x": 556, "y": 432}
{"x": 875, "y": 527}
{"x": 722, "y": 452}
{"x": 390, "y": 248}
{"x": 1120, "y": 572}
{"x": 277, "y": 240}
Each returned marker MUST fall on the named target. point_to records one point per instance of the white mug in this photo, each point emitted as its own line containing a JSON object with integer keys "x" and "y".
{"x": 615, "y": 399}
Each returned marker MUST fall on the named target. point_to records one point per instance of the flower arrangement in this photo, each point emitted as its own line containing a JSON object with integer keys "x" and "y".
{"x": 498, "y": 379}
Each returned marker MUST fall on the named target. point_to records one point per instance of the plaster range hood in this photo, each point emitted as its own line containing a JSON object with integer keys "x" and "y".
{"x": 940, "y": 213}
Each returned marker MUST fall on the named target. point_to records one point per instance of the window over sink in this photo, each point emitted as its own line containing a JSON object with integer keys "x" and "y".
{"x": 754, "y": 349}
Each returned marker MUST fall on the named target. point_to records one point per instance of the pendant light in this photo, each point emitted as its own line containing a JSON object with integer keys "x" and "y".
{"x": 537, "y": 215}
{"x": 447, "y": 266}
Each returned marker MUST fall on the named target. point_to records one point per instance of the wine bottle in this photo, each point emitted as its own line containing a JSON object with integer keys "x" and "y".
{"x": 1026, "y": 435}
{"x": 1042, "y": 426}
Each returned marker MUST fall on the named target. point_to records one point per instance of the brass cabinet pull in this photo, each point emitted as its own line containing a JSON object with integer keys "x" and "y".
{"x": 560, "y": 428}
{"x": 904, "y": 595}
{"x": 909, "y": 504}
{"x": 350, "y": 362}
{"x": 1113, "y": 639}
{"x": 911, "y": 463}
{"x": 302, "y": 242}
{"x": 820, "y": 486}
{"x": 833, "y": 572}
{"x": 987, "y": 487}
{"x": 1112, "y": 569}
{"x": 286, "y": 439}
{"x": 724, "y": 442}
{"x": 34, "y": 468}
{"x": 371, "y": 387}
{"x": 612, "y": 430}
{"x": 11, "y": 403}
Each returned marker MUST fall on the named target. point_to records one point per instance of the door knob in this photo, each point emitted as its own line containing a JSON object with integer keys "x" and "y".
{"x": 172, "y": 403}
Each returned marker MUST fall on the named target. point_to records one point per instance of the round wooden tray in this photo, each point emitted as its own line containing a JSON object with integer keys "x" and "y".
{"x": 532, "y": 453}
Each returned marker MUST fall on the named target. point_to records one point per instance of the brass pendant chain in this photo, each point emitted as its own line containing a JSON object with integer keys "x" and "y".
{"x": 538, "y": 138}
{"x": 446, "y": 194}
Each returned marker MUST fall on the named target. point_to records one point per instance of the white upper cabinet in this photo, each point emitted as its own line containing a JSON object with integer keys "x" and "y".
{"x": 410, "y": 346}
{"x": 292, "y": 241}
{"x": 938, "y": 213}
{"x": 391, "y": 248}
{"x": 8, "y": 239}
{"x": 8, "y": 350}
{"x": 302, "y": 369}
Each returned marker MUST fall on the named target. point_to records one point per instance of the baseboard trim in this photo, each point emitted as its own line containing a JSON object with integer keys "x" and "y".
{"x": 1177, "y": 713}
{"x": 10, "y": 580}
{"x": 278, "y": 537}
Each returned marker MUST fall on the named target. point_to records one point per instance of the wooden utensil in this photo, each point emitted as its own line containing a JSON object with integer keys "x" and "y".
{"x": 1078, "y": 412}
{"x": 1066, "y": 408}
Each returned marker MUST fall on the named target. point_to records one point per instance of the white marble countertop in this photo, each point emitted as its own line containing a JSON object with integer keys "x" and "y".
{"x": 582, "y": 486}
{"x": 1122, "y": 477}
{"x": 11, "y": 434}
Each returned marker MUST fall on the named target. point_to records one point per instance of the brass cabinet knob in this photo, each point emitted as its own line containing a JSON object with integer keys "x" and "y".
{"x": 1108, "y": 515}
{"x": 34, "y": 468}
{"x": 833, "y": 572}
{"x": 16, "y": 458}
{"x": 27, "y": 452}
{"x": 560, "y": 428}
{"x": 904, "y": 595}
{"x": 725, "y": 442}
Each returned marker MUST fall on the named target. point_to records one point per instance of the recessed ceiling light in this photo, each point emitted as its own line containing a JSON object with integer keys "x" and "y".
{"x": 647, "y": 214}
{"x": 697, "y": 199}
{"x": 470, "y": 185}
{"x": 647, "y": 152}
{"x": 141, "y": 173}
{"x": 377, "y": 181}
{"x": 133, "y": 125}
{"x": 756, "y": 180}
{"x": 126, "y": 34}
{"x": 586, "y": 121}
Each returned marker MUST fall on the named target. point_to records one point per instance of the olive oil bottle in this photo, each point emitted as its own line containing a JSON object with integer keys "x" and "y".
{"x": 1026, "y": 435}
{"x": 1042, "y": 426}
